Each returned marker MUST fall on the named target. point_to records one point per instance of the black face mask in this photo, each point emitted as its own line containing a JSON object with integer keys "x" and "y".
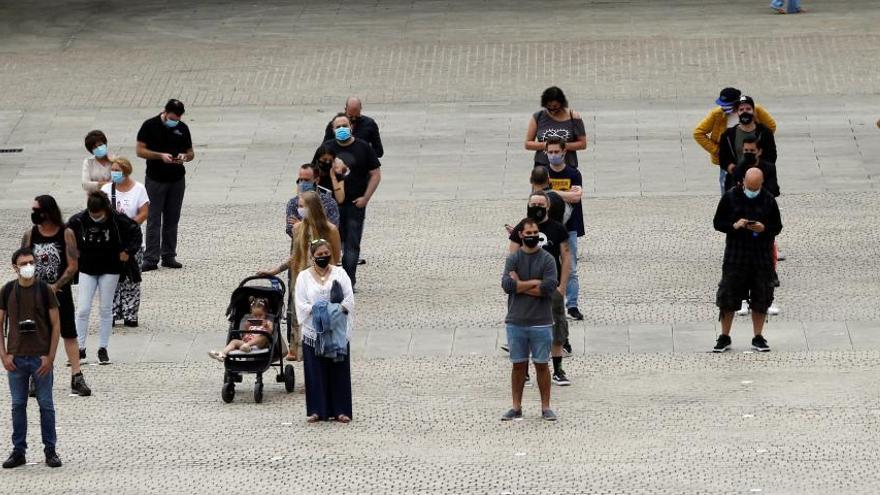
{"x": 749, "y": 159}
{"x": 322, "y": 261}
{"x": 536, "y": 213}
{"x": 37, "y": 217}
{"x": 324, "y": 166}
{"x": 746, "y": 118}
{"x": 531, "y": 241}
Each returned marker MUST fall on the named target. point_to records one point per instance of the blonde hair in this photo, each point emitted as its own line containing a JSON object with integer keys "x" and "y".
{"x": 313, "y": 226}
{"x": 123, "y": 163}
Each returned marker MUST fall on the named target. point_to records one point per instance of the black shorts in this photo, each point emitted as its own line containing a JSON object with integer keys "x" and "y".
{"x": 66, "y": 313}
{"x": 739, "y": 284}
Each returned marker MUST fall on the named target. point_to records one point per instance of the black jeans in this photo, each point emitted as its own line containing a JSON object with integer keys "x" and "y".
{"x": 351, "y": 229}
{"x": 166, "y": 201}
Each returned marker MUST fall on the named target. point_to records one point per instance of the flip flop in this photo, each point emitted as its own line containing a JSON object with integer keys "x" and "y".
{"x": 342, "y": 418}
{"x": 313, "y": 418}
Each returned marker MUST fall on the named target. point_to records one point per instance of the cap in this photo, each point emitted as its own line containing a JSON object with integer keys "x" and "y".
{"x": 728, "y": 96}
{"x": 747, "y": 100}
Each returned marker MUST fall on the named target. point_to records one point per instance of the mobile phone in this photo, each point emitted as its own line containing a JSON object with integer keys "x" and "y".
{"x": 751, "y": 222}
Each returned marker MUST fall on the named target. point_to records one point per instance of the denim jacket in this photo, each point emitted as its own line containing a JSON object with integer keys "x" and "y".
{"x": 330, "y": 328}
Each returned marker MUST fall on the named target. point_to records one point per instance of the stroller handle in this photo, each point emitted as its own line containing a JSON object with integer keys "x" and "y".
{"x": 265, "y": 277}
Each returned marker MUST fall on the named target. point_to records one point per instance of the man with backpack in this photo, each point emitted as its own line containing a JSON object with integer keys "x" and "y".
{"x": 31, "y": 328}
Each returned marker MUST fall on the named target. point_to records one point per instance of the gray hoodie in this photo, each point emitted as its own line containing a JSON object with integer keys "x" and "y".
{"x": 523, "y": 309}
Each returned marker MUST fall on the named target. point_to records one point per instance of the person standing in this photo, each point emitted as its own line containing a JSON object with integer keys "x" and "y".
{"x": 362, "y": 127}
{"x": 106, "y": 241}
{"x": 731, "y": 144}
{"x": 308, "y": 181}
{"x": 555, "y": 119}
{"x": 749, "y": 216}
{"x": 529, "y": 280}
{"x": 553, "y": 239}
{"x": 708, "y": 132}
{"x": 164, "y": 141}
{"x": 331, "y": 172}
{"x": 56, "y": 259}
{"x": 29, "y": 333}
{"x": 360, "y": 184}
{"x": 324, "y": 294}
{"x": 128, "y": 197}
{"x": 96, "y": 168}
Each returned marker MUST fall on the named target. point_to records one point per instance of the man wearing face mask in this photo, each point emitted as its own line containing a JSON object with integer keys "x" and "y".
{"x": 750, "y": 218}
{"x": 305, "y": 183}
{"x": 753, "y": 157}
{"x": 731, "y": 144}
{"x": 166, "y": 144}
{"x": 29, "y": 333}
{"x": 362, "y": 127}
{"x": 554, "y": 239}
{"x": 708, "y": 132}
{"x": 360, "y": 184}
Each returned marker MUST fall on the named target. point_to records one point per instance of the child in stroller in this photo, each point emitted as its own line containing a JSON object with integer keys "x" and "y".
{"x": 257, "y": 319}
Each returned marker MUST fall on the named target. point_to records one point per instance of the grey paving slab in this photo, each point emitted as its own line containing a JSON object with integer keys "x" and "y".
{"x": 864, "y": 334}
{"x": 827, "y": 335}
{"x": 650, "y": 337}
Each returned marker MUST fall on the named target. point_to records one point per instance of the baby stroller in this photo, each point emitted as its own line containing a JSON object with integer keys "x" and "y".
{"x": 257, "y": 361}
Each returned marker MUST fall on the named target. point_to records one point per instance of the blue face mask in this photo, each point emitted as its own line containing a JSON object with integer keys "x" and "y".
{"x": 342, "y": 134}
{"x": 751, "y": 194}
{"x": 306, "y": 186}
{"x": 555, "y": 159}
{"x": 171, "y": 123}
{"x": 100, "y": 151}
{"x": 116, "y": 176}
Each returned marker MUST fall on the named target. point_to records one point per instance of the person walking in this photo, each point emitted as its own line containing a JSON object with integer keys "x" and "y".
{"x": 29, "y": 331}
{"x": 106, "y": 241}
{"x": 56, "y": 261}
{"x": 360, "y": 185}
{"x": 325, "y": 310}
{"x": 128, "y": 197}
{"x": 96, "y": 168}
{"x": 362, "y": 127}
{"x": 529, "y": 280}
{"x": 750, "y": 218}
{"x": 708, "y": 132}
{"x": 556, "y": 119}
{"x": 164, "y": 141}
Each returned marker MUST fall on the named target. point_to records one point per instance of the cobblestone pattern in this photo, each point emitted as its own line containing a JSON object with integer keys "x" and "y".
{"x": 652, "y": 424}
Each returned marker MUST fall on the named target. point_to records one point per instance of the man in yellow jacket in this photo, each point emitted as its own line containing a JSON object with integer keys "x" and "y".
{"x": 708, "y": 132}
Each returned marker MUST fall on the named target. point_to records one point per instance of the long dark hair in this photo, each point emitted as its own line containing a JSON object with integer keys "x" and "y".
{"x": 321, "y": 151}
{"x": 49, "y": 206}
{"x": 553, "y": 93}
{"x": 98, "y": 201}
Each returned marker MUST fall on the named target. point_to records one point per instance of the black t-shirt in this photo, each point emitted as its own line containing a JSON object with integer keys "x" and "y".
{"x": 360, "y": 159}
{"x": 556, "y": 211}
{"x": 99, "y": 245}
{"x": 563, "y": 181}
{"x": 163, "y": 139}
{"x": 553, "y": 235}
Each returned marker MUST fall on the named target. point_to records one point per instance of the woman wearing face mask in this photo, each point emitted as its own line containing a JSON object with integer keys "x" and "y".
{"x": 96, "y": 168}
{"x": 556, "y": 119}
{"x": 332, "y": 172}
{"x": 324, "y": 307}
{"x": 313, "y": 226}
{"x": 106, "y": 241}
{"x": 128, "y": 197}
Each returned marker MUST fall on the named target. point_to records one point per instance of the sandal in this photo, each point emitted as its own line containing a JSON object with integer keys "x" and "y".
{"x": 342, "y": 418}
{"x": 313, "y": 418}
{"x": 290, "y": 357}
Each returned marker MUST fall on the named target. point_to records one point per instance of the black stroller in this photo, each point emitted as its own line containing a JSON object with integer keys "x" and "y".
{"x": 260, "y": 360}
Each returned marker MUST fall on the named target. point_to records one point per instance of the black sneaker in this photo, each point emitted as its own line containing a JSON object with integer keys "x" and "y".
{"x": 32, "y": 388}
{"x": 759, "y": 343}
{"x": 722, "y": 344}
{"x": 52, "y": 459}
{"x": 512, "y": 414}
{"x": 103, "y": 358}
{"x": 528, "y": 381}
{"x": 82, "y": 356}
{"x": 131, "y": 323}
{"x": 362, "y": 261}
{"x": 566, "y": 349}
{"x": 148, "y": 267}
{"x": 575, "y": 314}
{"x": 15, "y": 459}
{"x": 560, "y": 379}
{"x": 171, "y": 263}
{"x": 78, "y": 385}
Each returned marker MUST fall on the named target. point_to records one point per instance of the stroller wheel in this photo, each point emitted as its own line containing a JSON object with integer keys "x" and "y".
{"x": 228, "y": 392}
{"x": 289, "y": 378}
{"x": 258, "y": 392}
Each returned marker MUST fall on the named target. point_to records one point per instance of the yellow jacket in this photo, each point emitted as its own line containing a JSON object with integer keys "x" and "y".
{"x": 709, "y": 131}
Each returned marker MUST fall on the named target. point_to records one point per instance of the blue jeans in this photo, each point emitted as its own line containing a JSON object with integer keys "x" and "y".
{"x": 351, "y": 229}
{"x": 573, "y": 287}
{"x": 793, "y": 5}
{"x": 105, "y": 285}
{"x": 722, "y": 177}
{"x": 521, "y": 341}
{"x": 25, "y": 368}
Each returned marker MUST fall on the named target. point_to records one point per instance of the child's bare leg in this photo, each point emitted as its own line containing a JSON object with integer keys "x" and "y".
{"x": 232, "y": 345}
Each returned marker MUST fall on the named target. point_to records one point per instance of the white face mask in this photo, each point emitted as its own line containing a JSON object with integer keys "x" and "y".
{"x": 27, "y": 271}
{"x": 302, "y": 211}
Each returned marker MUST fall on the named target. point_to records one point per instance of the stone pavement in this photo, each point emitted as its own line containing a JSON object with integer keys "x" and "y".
{"x": 452, "y": 84}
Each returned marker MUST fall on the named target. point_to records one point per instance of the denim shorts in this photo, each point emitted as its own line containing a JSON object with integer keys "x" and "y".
{"x": 523, "y": 341}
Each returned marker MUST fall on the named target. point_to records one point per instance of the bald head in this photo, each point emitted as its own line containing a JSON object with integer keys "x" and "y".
{"x": 353, "y": 107}
{"x": 754, "y": 179}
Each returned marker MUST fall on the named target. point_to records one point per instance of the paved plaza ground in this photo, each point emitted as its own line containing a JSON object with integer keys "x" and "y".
{"x": 452, "y": 84}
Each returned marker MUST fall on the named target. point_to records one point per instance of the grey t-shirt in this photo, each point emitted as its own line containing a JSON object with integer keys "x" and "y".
{"x": 523, "y": 309}
{"x": 569, "y": 130}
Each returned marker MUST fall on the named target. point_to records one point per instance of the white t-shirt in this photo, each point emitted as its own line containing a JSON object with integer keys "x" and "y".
{"x": 129, "y": 202}
{"x": 309, "y": 291}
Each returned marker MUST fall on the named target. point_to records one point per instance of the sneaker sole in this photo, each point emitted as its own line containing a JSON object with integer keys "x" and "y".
{"x": 719, "y": 351}
{"x": 562, "y": 384}
{"x": 104, "y": 363}
{"x": 761, "y": 349}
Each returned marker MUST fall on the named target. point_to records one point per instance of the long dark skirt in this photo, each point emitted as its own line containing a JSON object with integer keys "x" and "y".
{"x": 328, "y": 385}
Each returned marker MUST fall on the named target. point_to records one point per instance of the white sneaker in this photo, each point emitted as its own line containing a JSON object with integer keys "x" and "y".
{"x": 744, "y": 310}
{"x": 773, "y": 310}
{"x": 779, "y": 255}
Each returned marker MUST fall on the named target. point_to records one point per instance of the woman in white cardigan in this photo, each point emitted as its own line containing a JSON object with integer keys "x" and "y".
{"x": 96, "y": 168}
{"x": 327, "y": 379}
